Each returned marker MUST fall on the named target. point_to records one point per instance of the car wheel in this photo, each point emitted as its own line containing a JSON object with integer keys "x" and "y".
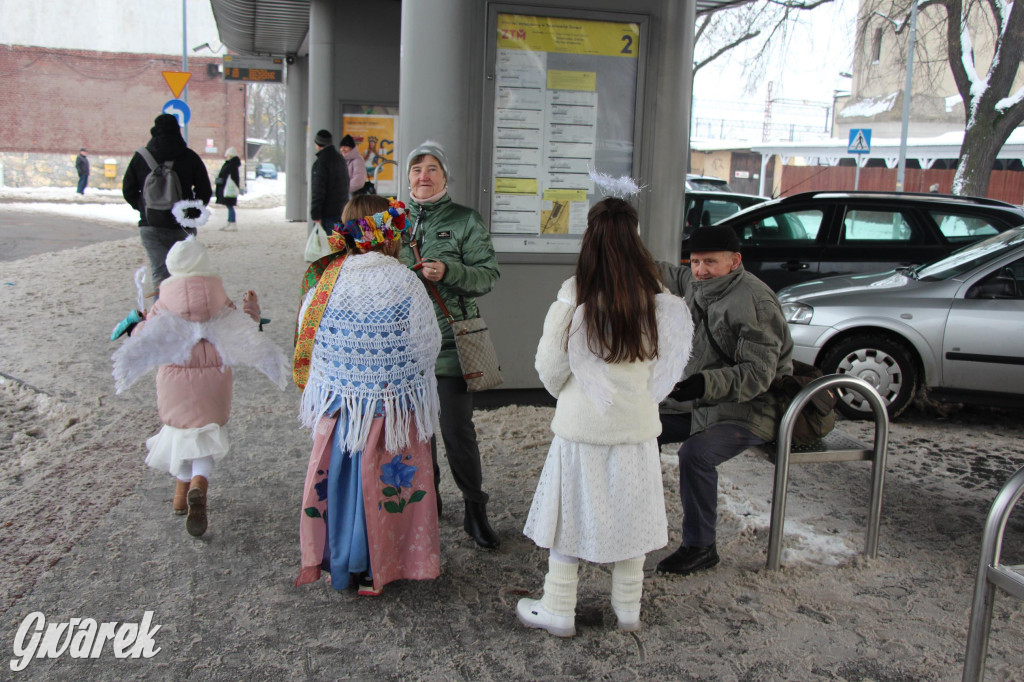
{"x": 885, "y": 363}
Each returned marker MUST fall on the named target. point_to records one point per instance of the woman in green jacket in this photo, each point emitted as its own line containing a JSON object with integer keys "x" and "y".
{"x": 455, "y": 246}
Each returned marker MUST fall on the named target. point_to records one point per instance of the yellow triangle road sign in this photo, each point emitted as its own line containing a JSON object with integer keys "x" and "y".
{"x": 177, "y": 80}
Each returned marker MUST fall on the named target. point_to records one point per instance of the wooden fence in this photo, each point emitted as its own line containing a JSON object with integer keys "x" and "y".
{"x": 1003, "y": 185}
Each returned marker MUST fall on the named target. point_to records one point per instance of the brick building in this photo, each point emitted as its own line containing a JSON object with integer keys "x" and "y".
{"x": 58, "y": 92}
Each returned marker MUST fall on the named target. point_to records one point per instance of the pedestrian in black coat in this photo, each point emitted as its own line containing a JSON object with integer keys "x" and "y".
{"x": 165, "y": 144}
{"x": 229, "y": 171}
{"x": 328, "y": 183}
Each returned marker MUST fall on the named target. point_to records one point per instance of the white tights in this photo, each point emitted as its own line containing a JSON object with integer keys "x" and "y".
{"x": 195, "y": 467}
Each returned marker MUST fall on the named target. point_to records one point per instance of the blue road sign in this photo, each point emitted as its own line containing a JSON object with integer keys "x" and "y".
{"x": 860, "y": 141}
{"x": 179, "y": 110}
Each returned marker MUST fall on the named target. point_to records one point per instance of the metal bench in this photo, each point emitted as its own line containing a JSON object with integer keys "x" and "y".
{"x": 835, "y": 447}
{"x": 992, "y": 576}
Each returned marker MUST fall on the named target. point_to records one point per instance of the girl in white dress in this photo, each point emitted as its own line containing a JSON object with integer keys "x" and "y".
{"x": 613, "y": 347}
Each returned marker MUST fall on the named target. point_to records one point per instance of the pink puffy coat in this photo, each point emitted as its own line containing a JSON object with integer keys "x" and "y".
{"x": 199, "y": 392}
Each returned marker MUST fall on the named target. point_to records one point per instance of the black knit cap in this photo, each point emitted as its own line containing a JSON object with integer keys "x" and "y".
{"x": 323, "y": 138}
{"x": 347, "y": 141}
{"x": 165, "y": 123}
{"x": 712, "y": 238}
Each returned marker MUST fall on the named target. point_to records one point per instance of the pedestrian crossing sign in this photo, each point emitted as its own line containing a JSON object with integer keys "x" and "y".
{"x": 860, "y": 141}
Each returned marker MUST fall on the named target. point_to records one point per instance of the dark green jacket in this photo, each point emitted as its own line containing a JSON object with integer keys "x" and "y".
{"x": 747, "y": 322}
{"x": 456, "y": 236}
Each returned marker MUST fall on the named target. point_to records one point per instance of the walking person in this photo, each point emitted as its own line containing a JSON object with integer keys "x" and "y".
{"x": 614, "y": 344}
{"x": 455, "y": 249}
{"x": 227, "y": 185}
{"x": 328, "y": 183}
{"x": 194, "y": 334}
{"x": 366, "y": 347}
{"x": 356, "y": 165}
{"x": 82, "y": 166}
{"x": 160, "y": 230}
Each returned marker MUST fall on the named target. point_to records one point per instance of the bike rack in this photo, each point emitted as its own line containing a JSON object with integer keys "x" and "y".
{"x": 992, "y": 576}
{"x": 835, "y": 447}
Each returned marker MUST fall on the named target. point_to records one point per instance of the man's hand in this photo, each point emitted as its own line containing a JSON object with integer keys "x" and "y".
{"x": 690, "y": 388}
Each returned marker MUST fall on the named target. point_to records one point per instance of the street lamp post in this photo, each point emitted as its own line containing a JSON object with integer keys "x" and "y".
{"x": 901, "y": 169}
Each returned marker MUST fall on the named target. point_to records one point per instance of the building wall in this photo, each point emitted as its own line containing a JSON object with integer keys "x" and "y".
{"x": 54, "y": 101}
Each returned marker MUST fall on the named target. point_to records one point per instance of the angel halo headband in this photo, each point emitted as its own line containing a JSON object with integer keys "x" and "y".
{"x": 378, "y": 228}
{"x": 622, "y": 187}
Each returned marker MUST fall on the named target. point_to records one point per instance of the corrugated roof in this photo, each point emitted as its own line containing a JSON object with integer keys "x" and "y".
{"x": 279, "y": 27}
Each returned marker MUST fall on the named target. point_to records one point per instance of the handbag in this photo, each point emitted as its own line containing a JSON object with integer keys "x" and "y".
{"x": 230, "y": 189}
{"x": 316, "y": 244}
{"x": 477, "y": 357}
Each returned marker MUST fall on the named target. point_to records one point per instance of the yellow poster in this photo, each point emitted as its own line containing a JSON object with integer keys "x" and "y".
{"x": 374, "y": 135}
{"x": 568, "y": 35}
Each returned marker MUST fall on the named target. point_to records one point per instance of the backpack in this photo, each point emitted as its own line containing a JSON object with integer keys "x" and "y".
{"x": 160, "y": 191}
{"x": 817, "y": 419}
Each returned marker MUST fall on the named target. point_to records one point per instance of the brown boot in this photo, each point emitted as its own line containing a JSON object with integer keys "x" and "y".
{"x": 180, "y": 504}
{"x": 195, "y": 522}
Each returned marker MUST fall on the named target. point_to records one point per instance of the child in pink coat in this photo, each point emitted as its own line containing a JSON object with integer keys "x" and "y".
{"x": 195, "y": 335}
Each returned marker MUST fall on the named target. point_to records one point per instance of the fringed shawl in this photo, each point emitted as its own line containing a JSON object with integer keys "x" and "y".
{"x": 374, "y": 351}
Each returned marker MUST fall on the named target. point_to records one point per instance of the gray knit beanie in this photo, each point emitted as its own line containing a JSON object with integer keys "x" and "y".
{"x": 434, "y": 149}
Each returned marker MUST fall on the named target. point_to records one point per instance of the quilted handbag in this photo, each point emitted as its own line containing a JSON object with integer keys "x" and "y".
{"x": 477, "y": 357}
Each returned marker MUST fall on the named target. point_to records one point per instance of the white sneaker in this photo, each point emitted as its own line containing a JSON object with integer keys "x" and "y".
{"x": 629, "y": 621}
{"x": 532, "y": 614}
{"x": 230, "y": 227}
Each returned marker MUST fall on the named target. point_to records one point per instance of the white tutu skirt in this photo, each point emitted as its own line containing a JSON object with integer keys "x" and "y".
{"x": 171, "y": 447}
{"x": 601, "y": 503}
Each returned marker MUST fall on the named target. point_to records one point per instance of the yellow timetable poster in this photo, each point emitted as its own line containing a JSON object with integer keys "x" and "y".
{"x": 564, "y": 104}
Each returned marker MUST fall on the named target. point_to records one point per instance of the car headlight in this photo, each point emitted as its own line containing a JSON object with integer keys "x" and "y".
{"x": 797, "y": 313}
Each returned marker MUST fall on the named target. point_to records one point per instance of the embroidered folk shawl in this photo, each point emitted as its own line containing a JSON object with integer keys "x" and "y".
{"x": 375, "y": 349}
{"x": 321, "y": 275}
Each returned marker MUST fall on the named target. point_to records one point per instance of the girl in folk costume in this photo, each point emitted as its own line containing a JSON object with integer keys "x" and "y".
{"x": 612, "y": 348}
{"x": 364, "y": 357}
{"x": 194, "y": 334}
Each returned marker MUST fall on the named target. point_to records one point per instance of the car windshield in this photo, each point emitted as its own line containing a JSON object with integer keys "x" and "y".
{"x": 969, "y": 257}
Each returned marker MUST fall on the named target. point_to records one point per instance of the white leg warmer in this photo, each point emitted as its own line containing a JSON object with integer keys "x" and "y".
{"x": 560, "y": 587}
{"x": 627, "y": 588}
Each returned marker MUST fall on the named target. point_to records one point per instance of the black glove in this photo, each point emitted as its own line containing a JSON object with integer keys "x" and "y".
{"x": 690, "y": 388}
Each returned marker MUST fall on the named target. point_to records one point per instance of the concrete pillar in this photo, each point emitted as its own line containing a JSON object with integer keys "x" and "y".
{"x": 295, "y": 163}
{"x": 435, "y": 94}
{"x": 661, "y": 223}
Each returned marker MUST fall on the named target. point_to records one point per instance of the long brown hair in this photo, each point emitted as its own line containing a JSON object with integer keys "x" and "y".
{"x": 616, "y": 282}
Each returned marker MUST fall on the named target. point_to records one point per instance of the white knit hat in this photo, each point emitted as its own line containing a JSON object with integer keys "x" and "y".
{"x": 188, "y": 258}
{"x": 230, "y": 153}
{"x": 434, "y": 149}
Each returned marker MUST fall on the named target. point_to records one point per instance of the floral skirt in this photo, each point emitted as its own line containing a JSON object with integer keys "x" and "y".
{"x": 371, "y": 507}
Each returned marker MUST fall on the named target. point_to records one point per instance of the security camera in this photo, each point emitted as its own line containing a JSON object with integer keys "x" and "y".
{"x": 290, "y": 59}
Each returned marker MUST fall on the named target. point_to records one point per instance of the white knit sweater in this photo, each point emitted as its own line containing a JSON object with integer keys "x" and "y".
{"x": 602, "y": 403}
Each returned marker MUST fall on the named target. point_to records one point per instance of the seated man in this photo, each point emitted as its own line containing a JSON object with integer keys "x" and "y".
{"x": 741, "y": 343}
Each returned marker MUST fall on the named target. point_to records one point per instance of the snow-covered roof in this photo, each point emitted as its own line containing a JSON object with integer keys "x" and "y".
{"x": 869, "y": 106}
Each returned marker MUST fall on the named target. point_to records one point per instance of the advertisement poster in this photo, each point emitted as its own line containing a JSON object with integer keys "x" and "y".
{"x": 564, "y": 99}
{"x": 375, "y": 139}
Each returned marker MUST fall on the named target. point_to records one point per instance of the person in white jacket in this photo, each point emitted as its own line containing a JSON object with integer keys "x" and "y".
{"x": 613, "y": 346}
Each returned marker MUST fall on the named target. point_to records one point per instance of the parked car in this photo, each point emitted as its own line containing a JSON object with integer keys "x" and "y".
{"x": 707, "y": 183}
{"x": 953, "y": 326}
{"x": 818, "y": 234}
{"x": 266, "y": 170}
{"x": 707, "y": 207}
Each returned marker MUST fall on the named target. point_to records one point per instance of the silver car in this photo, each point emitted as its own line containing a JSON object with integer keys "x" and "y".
{"x": 954, "y": 326}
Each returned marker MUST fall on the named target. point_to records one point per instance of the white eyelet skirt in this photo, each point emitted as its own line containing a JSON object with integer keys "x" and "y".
{"x": 601, "y": 503}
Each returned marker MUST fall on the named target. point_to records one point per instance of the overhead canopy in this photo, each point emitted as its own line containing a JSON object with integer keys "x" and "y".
{"x": 279, "y": 27}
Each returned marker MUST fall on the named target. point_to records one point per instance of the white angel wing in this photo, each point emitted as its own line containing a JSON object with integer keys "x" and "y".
{"x": 166, "y": 339}
{"x": 675, "y": 343}
{"x": 239, "y": 342}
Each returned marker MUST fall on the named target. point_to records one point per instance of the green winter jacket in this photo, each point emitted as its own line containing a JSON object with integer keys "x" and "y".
{"x": 456, "y": 236}
{"x": 747, "y": 322}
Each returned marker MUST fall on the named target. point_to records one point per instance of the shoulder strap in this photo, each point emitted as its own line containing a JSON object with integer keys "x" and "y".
{"x": 711, "y": 339}
{"x": 430, "y": 285}
{"x": 150, "y": 161}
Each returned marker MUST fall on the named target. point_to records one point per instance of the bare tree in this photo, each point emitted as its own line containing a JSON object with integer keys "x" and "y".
{"x": 991, "y": 108}
{"x": 765, "y": 25}
{"x": 266, "y": 119}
